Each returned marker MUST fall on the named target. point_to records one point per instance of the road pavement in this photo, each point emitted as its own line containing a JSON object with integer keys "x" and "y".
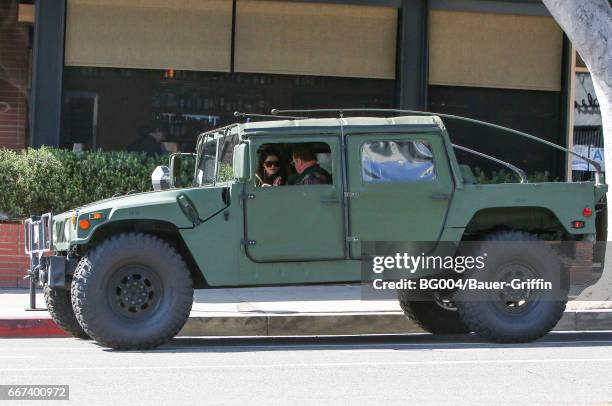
{"x": 562, "y": 368}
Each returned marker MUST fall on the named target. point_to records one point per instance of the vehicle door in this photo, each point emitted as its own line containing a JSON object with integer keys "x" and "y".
{"x": 399, "y": 187}
{"x": 297, "y": 222}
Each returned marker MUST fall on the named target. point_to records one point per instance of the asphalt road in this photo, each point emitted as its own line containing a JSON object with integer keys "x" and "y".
{"x": 563, "y": 368}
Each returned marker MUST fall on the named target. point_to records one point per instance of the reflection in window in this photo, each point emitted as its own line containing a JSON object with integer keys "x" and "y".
{"x": 210, "y": 170}
{"x": 226, "y": 158}
{"x": 397, "y": 161}
{"x": 206, "y": 166}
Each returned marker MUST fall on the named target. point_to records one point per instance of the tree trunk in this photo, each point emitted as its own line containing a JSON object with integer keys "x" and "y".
{"x": 588, "y": 25}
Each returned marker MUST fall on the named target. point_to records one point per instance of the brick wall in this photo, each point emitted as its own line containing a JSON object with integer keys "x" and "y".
{"x": 13, "y": 261}
{"x": 14, "y": 68}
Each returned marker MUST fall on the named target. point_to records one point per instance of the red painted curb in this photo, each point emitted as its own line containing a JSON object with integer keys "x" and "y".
{"x": 30, "y": 328}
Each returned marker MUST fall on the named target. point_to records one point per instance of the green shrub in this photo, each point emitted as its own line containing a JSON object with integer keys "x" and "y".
{"x": 40, "y": 180}
{"x": 503, "y": 176}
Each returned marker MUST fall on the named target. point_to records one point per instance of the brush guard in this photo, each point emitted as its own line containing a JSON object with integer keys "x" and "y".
{"x": 38, "y": 241}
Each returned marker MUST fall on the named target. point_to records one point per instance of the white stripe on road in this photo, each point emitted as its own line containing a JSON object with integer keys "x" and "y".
{"x": 481, "y": 345}
{"x": 203, "y": 345}
{"x": 16, "y": 356}
{"x": 315, "y": 365}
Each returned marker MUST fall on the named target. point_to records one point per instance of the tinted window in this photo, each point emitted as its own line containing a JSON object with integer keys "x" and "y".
{"x": 187, "y": 103}
{"x": 397, "y": 161}
{"x": 533, "y": 111}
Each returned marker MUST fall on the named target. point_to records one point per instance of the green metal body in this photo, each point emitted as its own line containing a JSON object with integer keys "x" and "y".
{"x": 313, "y": 233}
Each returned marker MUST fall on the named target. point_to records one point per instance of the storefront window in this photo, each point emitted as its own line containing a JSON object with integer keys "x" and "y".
{"x": 183, "y": 104}
{"x": 531, "y": 111}
{"x": 588, "y": 134}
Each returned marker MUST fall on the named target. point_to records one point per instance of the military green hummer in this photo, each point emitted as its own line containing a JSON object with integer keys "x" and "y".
{"x": 122, "y": 271}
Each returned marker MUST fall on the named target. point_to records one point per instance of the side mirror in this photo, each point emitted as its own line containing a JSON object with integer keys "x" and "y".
{"x": 160, "y": 178}
{"x": 241, "y": 162}
{"x": 176, "y": 160}
{"x": 175, "y": 170}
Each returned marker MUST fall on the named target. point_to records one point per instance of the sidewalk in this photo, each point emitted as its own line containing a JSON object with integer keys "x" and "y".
{"x": 282, "y": 311}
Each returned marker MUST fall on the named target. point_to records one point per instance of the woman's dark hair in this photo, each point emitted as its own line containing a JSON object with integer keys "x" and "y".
{"x": 262, "y": 157}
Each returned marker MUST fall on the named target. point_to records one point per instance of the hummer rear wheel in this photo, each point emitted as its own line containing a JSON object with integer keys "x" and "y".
{"x": 131, "y": 292}
{"x": 435, "y": 314}
{"x": 514, "y": 314}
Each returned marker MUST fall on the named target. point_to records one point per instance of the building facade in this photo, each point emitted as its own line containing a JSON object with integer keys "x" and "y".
{"x": 103, "y": 69}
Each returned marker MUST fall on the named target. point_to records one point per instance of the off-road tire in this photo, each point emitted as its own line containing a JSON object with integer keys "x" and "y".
{"x": 132, "y": 264}
{"x": 430, "y": 316}
{"x": 494, "y": 322}
{"x": 60, "y": 308}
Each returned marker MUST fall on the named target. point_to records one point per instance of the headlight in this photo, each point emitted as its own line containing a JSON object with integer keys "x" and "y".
{"x": 67, "y": 231}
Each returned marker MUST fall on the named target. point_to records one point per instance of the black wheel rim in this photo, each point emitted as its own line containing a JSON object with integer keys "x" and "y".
{"x": 512, "y": 300}
{"x": 135, "y": 292}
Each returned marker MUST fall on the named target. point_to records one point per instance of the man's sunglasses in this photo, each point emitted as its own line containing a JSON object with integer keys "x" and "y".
{"x": 270, "y": 164}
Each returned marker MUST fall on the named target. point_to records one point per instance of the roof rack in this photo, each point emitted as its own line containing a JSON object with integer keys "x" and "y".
{"x": 241, "y": 114}
{"x": 341, "y": 112}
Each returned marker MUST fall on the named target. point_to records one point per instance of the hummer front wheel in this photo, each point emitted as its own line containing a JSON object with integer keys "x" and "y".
{"x": 132, "y": 291}
{"x": 60, "y": 308}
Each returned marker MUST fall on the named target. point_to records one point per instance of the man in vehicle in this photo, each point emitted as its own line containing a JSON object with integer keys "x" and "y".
{"x": 309, "y": 172}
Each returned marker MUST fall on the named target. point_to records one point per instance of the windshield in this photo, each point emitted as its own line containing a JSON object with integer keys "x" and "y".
{"x": 215, "y": 157}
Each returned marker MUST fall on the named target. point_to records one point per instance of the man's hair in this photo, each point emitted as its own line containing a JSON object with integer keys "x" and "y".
{"x": 144, "y": 130}
{"x": 304, "y": 152}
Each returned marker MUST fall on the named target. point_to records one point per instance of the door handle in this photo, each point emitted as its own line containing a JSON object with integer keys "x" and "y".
{"x": 440, "y": 196}
{"x": 330, "y": 199}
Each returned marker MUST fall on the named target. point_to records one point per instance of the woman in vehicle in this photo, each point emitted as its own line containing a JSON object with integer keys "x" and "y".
{"x": 270, "y": 171}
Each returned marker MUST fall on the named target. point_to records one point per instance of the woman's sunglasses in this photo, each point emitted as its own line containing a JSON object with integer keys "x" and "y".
{"x": 270, "y": 164}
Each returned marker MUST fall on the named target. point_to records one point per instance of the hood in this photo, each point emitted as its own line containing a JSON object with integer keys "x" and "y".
{"x": 157, "y": 205}
{"x": 134, "y": 199}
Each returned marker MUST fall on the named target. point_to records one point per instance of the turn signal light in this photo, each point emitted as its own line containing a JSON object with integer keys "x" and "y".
{"x": 96, "y": 216}
{"x": 83, "y": 224}
{"x": 587, "y": 212}
{"x": 73, "y": 220}
{"x": 577, "y": 224}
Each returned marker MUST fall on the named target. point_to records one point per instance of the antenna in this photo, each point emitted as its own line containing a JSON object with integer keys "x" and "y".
{"x": 596, "y": 164}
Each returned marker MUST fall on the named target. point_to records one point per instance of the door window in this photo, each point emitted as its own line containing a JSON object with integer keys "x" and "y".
{"x": 397, "y": 161}
{"x": 287, "y": 164}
